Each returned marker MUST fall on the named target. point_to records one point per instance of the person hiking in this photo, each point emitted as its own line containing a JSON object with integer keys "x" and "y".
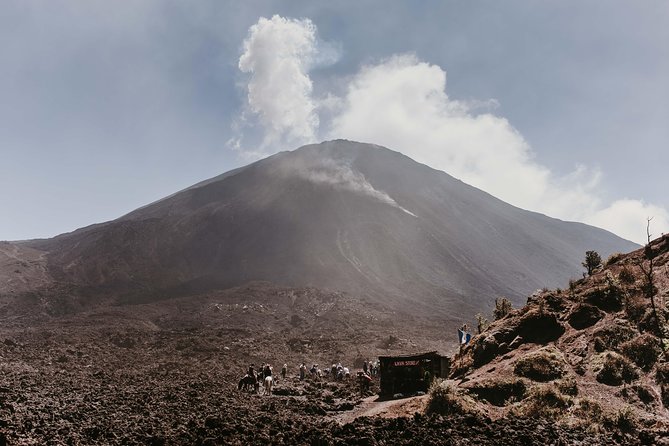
{"x": 364, "y": 381}
{"x": 284, "y": 371}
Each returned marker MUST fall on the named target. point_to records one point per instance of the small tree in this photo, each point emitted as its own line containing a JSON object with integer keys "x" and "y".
{"x": 649, "y": 288}
{"x": 592, "y": 261}
{"x": 502, "y": 308}
{"x": 481, "y": 323}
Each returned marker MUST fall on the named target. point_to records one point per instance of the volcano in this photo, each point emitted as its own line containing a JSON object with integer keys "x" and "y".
{"x": 339, "y": 215}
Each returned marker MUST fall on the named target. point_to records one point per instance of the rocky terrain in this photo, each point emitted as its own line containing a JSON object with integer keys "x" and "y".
{"x": 580, "y": 365}
{"x": 119, "y": 378}
{"x": 136, "y": 331}
{"x": 590, "y": 355}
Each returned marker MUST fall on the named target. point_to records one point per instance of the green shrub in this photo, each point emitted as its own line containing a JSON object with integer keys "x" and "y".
{"x": 626, "y": 276}
{"x": 481, "y": 323}
{"x": 644, "y": 350}
{"x": 502, "y": 308}
{"x": 592, "y": 261}
{"x": 543, "y": 365}
{"x": 616, "y": 370}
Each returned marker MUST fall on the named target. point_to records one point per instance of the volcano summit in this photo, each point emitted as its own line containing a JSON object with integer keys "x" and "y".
{"x": 339, "y": 215}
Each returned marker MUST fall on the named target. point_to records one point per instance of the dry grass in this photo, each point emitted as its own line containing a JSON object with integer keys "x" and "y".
{"x": 568, "y": 386}
{"x": 610, "y": 337}
{"x": 446, "y": 399}
{"x": 643, "y": 350}
{"x": 623, "y": 419}
{"x": 543, "y": 365}
{"x": 616, "y": 369}
{"x": 543, "y": 402}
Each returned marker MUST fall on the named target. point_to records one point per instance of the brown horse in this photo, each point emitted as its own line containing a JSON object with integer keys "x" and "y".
{"x": 247, "y": 383}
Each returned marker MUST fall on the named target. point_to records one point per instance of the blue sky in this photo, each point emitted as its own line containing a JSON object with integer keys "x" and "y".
{"x": 558, "y": 107}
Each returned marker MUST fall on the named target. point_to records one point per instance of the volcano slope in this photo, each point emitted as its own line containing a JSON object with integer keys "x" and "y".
{"x": 592, "y": 355}
{"x": 340, "y": 216}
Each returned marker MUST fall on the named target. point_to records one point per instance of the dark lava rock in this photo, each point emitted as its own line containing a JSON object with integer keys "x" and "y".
{"x": 499, "y": 393}
{"x": 584, "y": 316}
{"x": 607, "y": 299}
{"x": 485, "y": 349}
{"x": 540, "y": 328}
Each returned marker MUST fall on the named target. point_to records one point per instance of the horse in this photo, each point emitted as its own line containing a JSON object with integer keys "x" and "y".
{"x": 268, "y": 385}
{"x": 247, "y": 382}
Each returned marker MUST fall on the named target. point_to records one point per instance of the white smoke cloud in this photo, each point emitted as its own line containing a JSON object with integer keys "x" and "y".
{"x": 629, "y": 219}
{"x": 339, "y": 175}
{"x": 278, "y": 54}
{"x": 401, "y": 103}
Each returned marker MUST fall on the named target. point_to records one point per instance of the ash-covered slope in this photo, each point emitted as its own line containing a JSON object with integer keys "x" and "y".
{"x": 338, "y": 215}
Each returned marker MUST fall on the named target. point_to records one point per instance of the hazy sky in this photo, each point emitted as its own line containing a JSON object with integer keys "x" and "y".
{"x": 555, "y": 106}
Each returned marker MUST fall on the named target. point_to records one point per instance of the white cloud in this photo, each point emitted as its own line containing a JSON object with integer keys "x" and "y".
{"x": 401, "y": 103}
{"x": 278, "y": 54}
{"x": 628, "y": 217}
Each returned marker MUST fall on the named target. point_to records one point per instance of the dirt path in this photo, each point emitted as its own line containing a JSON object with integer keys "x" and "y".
{"x": 371, "y": 407}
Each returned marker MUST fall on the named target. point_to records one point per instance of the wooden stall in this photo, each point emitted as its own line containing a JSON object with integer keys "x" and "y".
{"x": 408, "y": 374}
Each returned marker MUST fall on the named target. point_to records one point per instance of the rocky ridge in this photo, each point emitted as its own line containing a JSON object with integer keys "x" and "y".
{"x": 592, "y": 354}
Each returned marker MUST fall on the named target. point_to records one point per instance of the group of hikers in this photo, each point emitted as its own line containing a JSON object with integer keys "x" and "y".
{"x": 254, "y": 378}
{"x": 263, "y": 375}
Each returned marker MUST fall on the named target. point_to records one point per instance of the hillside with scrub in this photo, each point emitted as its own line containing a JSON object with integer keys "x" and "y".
{"x": 592, "y": 355}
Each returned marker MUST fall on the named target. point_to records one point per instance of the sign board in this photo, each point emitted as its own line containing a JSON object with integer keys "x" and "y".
{"x": 408, "y": 363}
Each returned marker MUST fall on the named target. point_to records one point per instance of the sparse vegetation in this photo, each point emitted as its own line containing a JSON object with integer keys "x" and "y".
{"x": 613, "y": 258}
{"x": 616, "y": 370}
{"x": 592, "y": 261}
{"x": 662, "y": 373}
{"x": 481, "y": 323}
{"x": 643, "y": 350}
{"x": 649, "y": 288}
{"x": 446, "y": 399}
{"x": 626, "y": 276}
{"x": 543, "y": 401}
{"x": 588, "y": 410}
{"x": 502, "y": 308}
{"x": 572, "y": 288}
{"x": 610, "y": 337}
{"x": 624, "y": 420}
{"x": 568, "y": 386}
{"x": 635, "y": 308}
{"x": 544, "y": 365}
{"x": 500, "y": 392}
